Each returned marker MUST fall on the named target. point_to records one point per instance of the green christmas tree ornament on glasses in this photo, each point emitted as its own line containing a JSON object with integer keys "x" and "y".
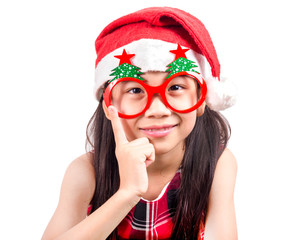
{"x": 140, "y": 43}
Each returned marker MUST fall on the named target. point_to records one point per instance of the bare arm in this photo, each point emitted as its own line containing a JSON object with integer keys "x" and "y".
{"x": 69, "y": 220}
{"x": 221, "y": 220}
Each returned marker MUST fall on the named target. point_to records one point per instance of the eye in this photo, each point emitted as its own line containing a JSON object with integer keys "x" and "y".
{"x": 175, "y": 87}
{"x": 135, "y": 90}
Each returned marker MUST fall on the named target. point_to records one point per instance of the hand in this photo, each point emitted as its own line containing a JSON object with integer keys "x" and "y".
{"x": 133, "y": 157}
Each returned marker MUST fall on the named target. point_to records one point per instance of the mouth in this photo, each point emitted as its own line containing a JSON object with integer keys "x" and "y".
{"x": 158, "y": 131}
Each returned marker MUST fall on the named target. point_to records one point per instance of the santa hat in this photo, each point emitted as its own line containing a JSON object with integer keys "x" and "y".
{"x": 151, "y": 34}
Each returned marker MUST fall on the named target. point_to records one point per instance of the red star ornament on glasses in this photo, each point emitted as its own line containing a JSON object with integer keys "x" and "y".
{"x": 179, "y": 52}
{"x": 125, "y": 58}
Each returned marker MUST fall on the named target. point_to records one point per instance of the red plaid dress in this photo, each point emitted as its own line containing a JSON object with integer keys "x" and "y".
{"x": 152, "y": 220}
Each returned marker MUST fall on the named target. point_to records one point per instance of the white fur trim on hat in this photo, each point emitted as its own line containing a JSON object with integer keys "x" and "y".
{"x": 220, "y": 94}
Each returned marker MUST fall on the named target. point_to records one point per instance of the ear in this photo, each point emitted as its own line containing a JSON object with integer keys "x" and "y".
{"x": 106, "y": 111}
{"x": 200, "y": 110}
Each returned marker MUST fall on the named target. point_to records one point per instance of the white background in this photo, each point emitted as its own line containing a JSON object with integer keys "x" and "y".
{"x": 46, "y": 97}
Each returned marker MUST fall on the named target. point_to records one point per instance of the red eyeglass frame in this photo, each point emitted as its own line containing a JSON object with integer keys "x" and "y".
{"x": 151, "y": 90}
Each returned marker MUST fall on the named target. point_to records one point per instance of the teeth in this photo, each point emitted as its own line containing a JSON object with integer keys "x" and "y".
{"x": 157, "y": 129}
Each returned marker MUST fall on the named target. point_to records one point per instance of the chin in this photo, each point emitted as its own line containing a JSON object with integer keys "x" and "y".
{"x": 165, "y": 148}
{"x": 161, "y": 151}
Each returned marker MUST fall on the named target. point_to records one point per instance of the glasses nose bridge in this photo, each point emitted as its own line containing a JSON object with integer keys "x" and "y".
{"x": 155, "y": 91}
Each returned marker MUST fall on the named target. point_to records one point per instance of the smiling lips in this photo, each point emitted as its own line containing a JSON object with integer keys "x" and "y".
{"x": 158, "y": 131}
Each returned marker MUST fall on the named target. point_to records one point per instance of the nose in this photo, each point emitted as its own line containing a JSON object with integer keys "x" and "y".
{"x": 157, "y": 108}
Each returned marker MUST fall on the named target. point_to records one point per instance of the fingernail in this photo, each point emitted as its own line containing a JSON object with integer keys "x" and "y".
{"x": 111, "y": 110}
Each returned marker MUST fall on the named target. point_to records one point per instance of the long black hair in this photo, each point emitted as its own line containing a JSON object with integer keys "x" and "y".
{"x": 203, "y": 147}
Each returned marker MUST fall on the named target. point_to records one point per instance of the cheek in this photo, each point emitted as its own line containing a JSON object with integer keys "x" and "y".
{"x": 189, "y": 120}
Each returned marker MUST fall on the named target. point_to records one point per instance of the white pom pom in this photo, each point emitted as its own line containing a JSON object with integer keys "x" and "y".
{"x": 220, "y": 94}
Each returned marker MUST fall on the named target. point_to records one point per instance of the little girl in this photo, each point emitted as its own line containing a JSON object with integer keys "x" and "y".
{"x": 159, "y": 167}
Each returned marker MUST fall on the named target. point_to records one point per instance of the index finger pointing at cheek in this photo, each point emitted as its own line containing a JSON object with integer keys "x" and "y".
{"x": 120, "y": 136}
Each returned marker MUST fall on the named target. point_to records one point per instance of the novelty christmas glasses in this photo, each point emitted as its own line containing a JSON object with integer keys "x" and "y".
{"x": 183, "y": 90}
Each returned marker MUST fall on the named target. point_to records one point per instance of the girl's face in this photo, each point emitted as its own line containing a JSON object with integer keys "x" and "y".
{"x": 165, "y": 128}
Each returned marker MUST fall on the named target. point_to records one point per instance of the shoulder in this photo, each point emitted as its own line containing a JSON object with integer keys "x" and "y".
{"x": 82, "y": 164}
{"x": 228, "y": 156}
{"x": 225, "y": 174}
{"x": 227, "y": 162}
{"x": 79, "y": 178}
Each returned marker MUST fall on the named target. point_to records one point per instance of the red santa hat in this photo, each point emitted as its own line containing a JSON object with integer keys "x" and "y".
{"x": 151, "y": 34}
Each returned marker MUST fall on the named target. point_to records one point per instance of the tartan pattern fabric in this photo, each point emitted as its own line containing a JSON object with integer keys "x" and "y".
{"x": 152, "y": 220}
